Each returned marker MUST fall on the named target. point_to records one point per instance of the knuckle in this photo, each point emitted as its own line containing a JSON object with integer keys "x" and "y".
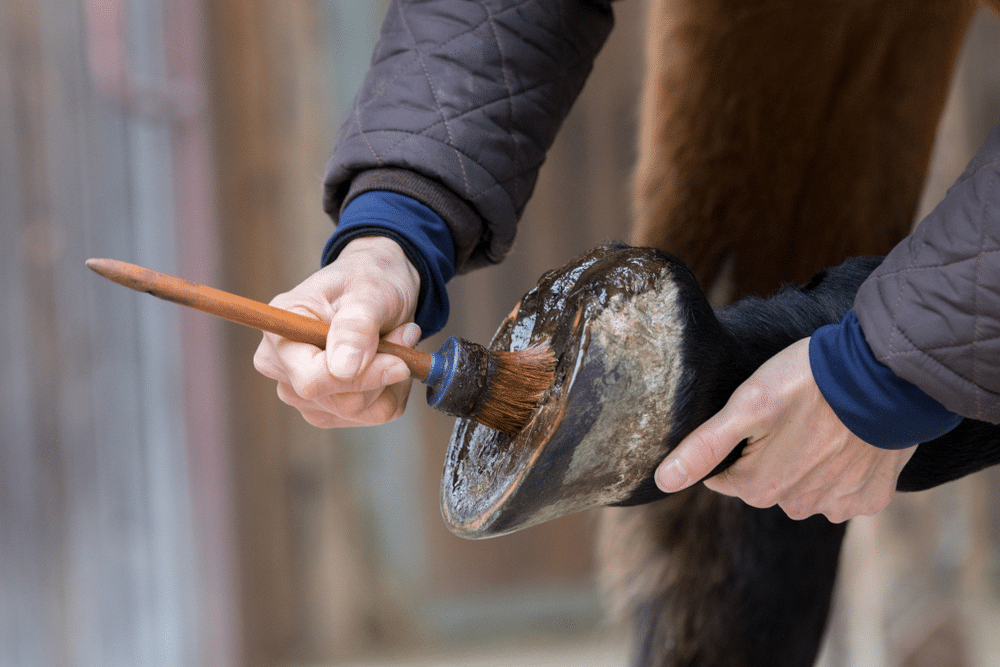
{"x": 709, "y": 449}
{"x": 878, "y": 502}
{"x": 304, "y": 386}
{"x": 262, "y": 363}
{"x": 320, "y": 419}
{"x": 753, "y": 398}
{"x": 394, "y": 404}
{"x": 308, "y": 391}
{"x": 362, "y": 316}
{"x": 798, "y": 508}
{"x": 266, "y": 361}
{"x": 839, "y": 515}
{"x": 284, "y": 300}
{"x": 797, "y": 513}
{"x": 287, "y": 394}
{"x": 768, "y": 496}
{"x": 755, "y": 501}
{"x": 347, "y": 405}
{"x": 381, "y": 411}
{"x": 360, "y": 407}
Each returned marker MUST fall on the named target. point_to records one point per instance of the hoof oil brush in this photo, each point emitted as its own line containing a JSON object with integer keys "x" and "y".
{"x": 496, "y": 388}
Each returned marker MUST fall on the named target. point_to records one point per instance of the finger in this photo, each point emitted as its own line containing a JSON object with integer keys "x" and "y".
{"x": 306, "y": 370}
{"x": 805, "y": 506}
{"x": 390, "y": 404}
{"x": 743, "y": 481}
{"x": 308, "y": 383}
{"x": 383, "y": 389}
{"x": 406, "y": 334}
{"x": 700, "y": 452}
{"x": 288, "y": 394}
{"x": 372, "y": 407}
{"x": 392, "y": 369}
{"x": 842, "y": 497}
{"x": 327, "y": 411}
{"x": 733, "y": 481}
{"x": 352, "y": 340}
{"x": 384, "y": 370}
{"x": 265, "y": 359}
{"x": 324, "y": 419}
{"x": 312, "y": 415}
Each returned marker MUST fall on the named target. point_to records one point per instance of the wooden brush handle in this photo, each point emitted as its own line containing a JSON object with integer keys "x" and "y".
{"x": 299, "y": 328}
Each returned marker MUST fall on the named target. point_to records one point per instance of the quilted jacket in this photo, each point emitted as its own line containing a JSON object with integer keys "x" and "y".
{"x": 461, "y": 103}
{"x": 931, "y": 311}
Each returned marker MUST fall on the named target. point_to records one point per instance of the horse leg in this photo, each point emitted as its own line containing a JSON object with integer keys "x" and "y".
{"x": 788, "y": 135}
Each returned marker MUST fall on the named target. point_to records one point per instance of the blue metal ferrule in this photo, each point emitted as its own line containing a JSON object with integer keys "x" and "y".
{"x": 442, "y": 372}
{"x": 434, "y": 375}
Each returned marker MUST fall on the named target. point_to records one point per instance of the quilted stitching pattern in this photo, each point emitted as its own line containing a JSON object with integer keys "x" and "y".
{"x": 931, "y": 312}
{"x": 471, "y": 93}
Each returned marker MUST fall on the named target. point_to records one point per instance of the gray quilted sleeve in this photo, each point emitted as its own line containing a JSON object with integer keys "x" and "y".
{"x": 931, "y": 311}
{"x": 461, "y": 103}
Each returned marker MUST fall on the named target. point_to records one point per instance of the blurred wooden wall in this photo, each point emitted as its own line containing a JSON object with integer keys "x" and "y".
{"x": 114, "y": 526}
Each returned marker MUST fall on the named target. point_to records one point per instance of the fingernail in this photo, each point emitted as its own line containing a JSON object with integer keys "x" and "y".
{"x": 411, "y": 336}
{"x": 395, "y": 373}
{"x": 345, "y": 361}
{"x": 671, "y": 476}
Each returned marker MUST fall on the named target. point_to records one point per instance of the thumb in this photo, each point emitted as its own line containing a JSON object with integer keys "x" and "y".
{"x": 699, "y": 453}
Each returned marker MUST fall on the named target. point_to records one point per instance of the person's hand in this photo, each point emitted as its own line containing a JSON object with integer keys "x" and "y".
{"x": 370, "y": 291}
{"x": 799, "y": 455}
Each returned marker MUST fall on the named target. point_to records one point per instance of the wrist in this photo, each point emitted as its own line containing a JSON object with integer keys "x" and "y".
{"x": 418, "y": 231}
{"x": 869, "y": 399}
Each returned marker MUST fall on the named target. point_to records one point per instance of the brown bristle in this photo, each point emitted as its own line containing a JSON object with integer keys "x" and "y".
{"x": 520, "y": 379}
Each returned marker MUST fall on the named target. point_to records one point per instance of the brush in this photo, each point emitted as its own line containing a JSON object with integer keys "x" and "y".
{"x": 497, "y": 388}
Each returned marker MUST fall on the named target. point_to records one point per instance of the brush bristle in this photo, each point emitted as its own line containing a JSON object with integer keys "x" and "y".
{"x": 519, "y": 380}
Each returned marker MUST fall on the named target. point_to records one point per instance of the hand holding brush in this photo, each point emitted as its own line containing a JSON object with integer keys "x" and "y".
{"x": 499, "y": 389}
{"x": 368, "y": 293}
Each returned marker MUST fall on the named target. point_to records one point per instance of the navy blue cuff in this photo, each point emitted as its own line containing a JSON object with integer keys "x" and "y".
{"x": 878, "y": 406}
{"x": 422, "y": 235}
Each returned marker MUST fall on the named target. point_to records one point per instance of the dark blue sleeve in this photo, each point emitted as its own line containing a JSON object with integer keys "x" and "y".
{"x": 873, "y": 402}
{"x": 422, "y": 235}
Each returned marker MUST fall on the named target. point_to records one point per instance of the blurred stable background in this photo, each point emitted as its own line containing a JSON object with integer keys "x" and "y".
{"x": 160, "y": 506}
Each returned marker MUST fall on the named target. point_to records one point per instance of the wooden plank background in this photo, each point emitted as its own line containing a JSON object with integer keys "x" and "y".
{"x": 111, "y": 551}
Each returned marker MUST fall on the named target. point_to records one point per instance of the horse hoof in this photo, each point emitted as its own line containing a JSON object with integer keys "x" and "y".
{"x": 616, "y": 320}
